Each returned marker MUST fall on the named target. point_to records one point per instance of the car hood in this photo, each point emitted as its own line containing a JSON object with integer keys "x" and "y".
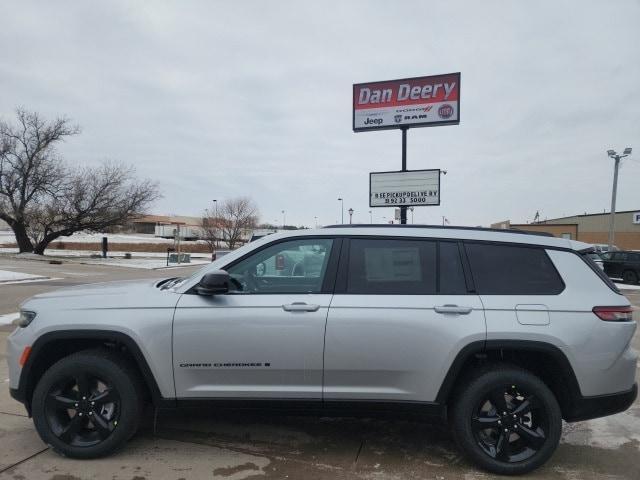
{"x": 123, "y": 294}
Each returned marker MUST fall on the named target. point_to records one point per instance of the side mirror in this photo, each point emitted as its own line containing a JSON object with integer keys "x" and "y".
{"x": 214, "y": 283}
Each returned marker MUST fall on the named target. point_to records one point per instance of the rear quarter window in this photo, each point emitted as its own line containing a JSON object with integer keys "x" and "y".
{"x": 512, "y": 270}
{"x": 586, "y": 256}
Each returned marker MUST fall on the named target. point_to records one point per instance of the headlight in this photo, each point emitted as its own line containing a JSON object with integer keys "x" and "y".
{"x": 26, "y": 317}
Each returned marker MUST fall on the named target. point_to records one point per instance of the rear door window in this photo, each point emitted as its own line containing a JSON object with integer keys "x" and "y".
{"x": 451, "y": 278}
{"x": 512, "y": 270}
{"x": 393, "y": 267}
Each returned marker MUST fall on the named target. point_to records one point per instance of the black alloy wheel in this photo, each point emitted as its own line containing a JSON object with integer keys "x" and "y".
{"x": 82, "y": 410}
{"x": 88, "y": 404}
{"x": 505, "y": 419}
{"x": 510, "y": 425}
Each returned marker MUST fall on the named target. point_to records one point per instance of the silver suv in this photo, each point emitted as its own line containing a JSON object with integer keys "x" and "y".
{"x": 502, "y": 333}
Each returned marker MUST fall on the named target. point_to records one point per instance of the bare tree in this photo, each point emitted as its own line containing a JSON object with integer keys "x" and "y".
{"x": 235, "y": 218}
{"x": 210, "y": 229}
{"x": 42, "y": 199}
{"x": 29, "y": 168}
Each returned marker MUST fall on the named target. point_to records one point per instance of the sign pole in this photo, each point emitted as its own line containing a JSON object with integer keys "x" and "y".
{"x": 403, "y": 209}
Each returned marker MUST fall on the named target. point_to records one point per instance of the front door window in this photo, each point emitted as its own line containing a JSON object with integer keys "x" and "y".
{"x": 296, "y": 266}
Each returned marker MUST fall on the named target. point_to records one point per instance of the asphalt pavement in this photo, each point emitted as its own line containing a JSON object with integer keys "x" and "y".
{"x": 199, "y": 444}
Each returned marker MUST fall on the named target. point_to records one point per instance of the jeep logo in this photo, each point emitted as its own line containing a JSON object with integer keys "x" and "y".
{"x": 373, "y": 121}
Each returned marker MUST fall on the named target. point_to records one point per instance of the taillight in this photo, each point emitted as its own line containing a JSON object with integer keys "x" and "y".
{"x": 614, "y": 314}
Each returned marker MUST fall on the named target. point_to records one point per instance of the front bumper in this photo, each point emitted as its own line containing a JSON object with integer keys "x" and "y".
{"x": 586, "y": 408}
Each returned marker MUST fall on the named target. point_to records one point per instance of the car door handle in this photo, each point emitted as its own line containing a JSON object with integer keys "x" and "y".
{"x": 300, "y": 307}
{"x": 453, "y": 309}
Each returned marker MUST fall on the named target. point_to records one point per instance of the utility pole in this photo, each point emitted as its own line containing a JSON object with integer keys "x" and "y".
{"x": 284, "y": 219}
{"x": 403, "y": 209}
{"x": 614, "y": 192}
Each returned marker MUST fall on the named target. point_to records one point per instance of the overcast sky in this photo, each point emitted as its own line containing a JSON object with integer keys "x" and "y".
{"x": 219, "y": 99}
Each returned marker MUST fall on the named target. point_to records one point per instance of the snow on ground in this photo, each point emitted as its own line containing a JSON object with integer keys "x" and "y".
{"x": 7, "y": 276}
{"x": 145, "y": 263}
{"x": 8, "y": 318}
{"x": 144, "y": 260}
{"x": 52, "y": 252}
{"x": 6, "y": 236}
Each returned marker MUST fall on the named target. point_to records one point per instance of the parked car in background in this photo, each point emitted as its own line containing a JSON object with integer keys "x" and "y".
{"x": 597, "y": 258}
{"x": 604, "y": 248}
{"x": 624, "y": 265}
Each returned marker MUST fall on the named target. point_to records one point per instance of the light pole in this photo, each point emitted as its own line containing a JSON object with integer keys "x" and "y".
{"x": 616, "y": 166}
{"x": 341, "y": 208}
{"x": 284, "y": 219}
{"x": 350, "y": 215}
{"x": 316, "y": 219}
{"x": 370, "y": 217}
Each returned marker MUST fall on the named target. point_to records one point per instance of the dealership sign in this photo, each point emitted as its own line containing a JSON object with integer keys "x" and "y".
{"x": 636, "y": 217}
{"x": 412, "y": 102}
{"x": 404, "y": 189}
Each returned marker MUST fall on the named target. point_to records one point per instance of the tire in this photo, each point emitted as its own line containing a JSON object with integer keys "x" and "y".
{"x": 94, "y": 424}
{"x": 629, "y": 276}
{"x": 478, "y": 424}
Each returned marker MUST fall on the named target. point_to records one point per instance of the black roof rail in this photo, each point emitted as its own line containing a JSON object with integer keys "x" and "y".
{"x": 441, "y": 227}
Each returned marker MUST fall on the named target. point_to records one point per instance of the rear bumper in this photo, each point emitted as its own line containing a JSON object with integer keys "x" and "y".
{"x": 586, "y": 408}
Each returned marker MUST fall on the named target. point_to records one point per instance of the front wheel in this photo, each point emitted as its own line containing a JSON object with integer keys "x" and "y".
{"x": 507, "y": 421}
{"x": 629, "y": 277}
{"x": 87, "y": 404}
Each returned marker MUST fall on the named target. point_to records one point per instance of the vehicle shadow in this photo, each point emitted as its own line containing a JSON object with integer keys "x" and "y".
{"x": 316, "y": 445}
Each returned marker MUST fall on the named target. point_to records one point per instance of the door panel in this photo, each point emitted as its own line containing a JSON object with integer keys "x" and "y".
{"x": 400, "y": 315}
{"x": 249, "y": 346}
{"x": 264, "y": 339}
{"x": 395, "y": 347}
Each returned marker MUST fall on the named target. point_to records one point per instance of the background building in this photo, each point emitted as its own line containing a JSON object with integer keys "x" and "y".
{"x": 589, "y": 228}
{"x": 148, "y": 223}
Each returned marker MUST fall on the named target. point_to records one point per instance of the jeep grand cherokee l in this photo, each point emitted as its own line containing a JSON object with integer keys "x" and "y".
{"x": 502, "y": 333}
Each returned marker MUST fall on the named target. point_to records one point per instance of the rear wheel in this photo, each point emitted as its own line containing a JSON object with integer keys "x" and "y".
{"x": 629, "y": 276}
{"x": 507, "y": 421}
{"x": 87, "y": 404}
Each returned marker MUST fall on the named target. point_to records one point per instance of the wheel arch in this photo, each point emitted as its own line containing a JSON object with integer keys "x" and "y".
{"x": 53, "y": 346}
{"x": 543, "y": 359}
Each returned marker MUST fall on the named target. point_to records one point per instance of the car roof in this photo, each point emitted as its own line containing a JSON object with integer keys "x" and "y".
{"x": 448, "y": 232}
